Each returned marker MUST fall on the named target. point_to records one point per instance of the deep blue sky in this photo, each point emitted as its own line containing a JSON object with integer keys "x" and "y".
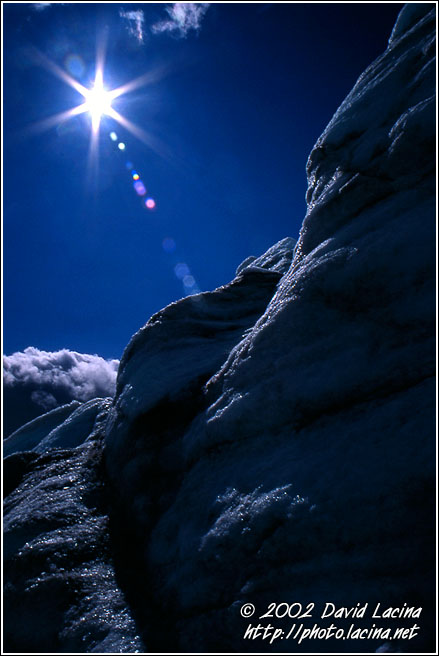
{"x": 238, "y": 108}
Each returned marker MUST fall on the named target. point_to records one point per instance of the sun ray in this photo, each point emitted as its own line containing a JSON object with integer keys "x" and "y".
{"x": 56, "y": 119}
{"x": 101, "y": 51}
{"x": 141, "y": 81}
{"x": 59, "y": 72}
{"x": 93, "y": 159}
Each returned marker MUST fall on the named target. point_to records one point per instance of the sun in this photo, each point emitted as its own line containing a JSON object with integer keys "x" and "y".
{"x": 97, "y": 101}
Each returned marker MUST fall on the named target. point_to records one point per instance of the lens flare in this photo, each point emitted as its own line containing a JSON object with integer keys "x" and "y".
{"x": 97, "y": 102}
{"x": 189, "y": 281}
{"x": 181, "y": 270}
{"x": 75, "y": 65}
{"x": 139, "y": 188}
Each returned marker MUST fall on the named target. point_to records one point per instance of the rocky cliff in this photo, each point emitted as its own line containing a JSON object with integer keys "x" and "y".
{"x": 270, "y": 441}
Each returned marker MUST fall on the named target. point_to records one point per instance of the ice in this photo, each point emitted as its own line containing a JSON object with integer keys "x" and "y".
{"x": 86, "y": 422}
{"x": 29, "y": 435}
{"x": 40, "y": 436}
{"x": 407, "y": 19}
{"x": 277, "y": 258}
{"x": 354, "y": 164}
{"x": 184, "y": 344}
{"x": 60, "y": 589}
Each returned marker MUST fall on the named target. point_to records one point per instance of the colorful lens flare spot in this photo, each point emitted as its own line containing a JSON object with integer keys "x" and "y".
{"x": 121, "y": 145}
{"x": 150, "y": 203}
{"x": 140, "y": 188}
{"x": 113, "y": 136}
{"x": 136, "y": 176}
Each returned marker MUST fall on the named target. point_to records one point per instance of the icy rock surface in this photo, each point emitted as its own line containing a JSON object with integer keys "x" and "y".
{"x": 29, "y": 435}
{"x": 167, "y": 362}
{"x": 59, "y": 545}
{"x": 277, "y": 258}
{"x": 82, "y": 421}
{"x": 302, "y": 469}
{"x": 60, "y": 589}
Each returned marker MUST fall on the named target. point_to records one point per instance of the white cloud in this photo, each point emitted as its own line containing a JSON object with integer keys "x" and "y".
{"x": 135, "y": 20}
{"x": 183, "y": 17}
{"x": 40, "y": 6}
{"x": 79, "y": 375}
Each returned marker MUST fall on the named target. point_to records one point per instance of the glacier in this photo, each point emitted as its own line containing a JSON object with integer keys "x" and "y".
{"x": 270, "y": 441}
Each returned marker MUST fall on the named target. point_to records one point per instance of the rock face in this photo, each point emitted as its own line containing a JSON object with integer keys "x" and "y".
{"x": 60, "y": 587}
{"x": 270, "y": 441}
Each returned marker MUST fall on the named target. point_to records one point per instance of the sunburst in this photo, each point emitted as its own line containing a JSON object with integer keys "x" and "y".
{"x": 98, "y": 102}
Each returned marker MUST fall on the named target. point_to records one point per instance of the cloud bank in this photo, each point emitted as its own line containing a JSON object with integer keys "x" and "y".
{"x": 36, "y": 381}
{"x": 183, "y": 17}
